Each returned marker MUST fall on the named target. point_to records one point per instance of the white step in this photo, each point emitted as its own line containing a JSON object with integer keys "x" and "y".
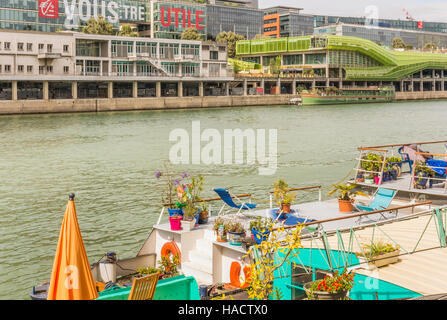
{"x": 204, "y": 245}
{"x": 201, "y": 260}
{"x": 189, "y": 269}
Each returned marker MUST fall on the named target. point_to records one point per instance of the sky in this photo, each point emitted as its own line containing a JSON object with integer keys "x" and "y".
{"x": 429, "y": 10}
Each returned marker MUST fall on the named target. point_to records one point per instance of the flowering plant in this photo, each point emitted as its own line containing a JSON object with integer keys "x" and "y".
{"x": 175, "y": 195}
{"x": 333, "y": 284}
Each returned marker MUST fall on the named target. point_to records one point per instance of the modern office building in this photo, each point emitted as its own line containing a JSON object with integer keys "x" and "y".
{"x": 385, "y": 36}
{"x": 245, "y": 21}
{"x": 283, "y": 21}
{"x": 437, "y": 27}
{"x": 323, "y": 61}
{"x": 67, "y": 65}
{"x": 237, "y": 3}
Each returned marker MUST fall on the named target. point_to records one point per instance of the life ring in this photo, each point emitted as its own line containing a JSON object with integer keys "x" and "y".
{"x": 235, "y": 273}
{"x": 171, "y": 248}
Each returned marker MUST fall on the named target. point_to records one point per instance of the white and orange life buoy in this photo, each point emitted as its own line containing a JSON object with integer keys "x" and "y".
{"x": 235, "y": 274}
{"x": 171, "y": 248}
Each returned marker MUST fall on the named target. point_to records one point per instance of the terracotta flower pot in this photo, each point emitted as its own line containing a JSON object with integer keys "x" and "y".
{"x": 285, "y": 207}
{"x": 346, "y": 205}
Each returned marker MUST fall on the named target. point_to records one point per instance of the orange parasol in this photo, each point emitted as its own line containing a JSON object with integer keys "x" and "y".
{"x": 71, "y": 278}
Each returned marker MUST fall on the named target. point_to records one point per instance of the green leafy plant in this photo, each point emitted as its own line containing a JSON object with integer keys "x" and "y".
{"x": 261, "y": 224}
{"x": 168, "y": 265}
{"x": 378, "y": 248}
{"x": 235, "y": 227}
{"x": 345, "y": 191}
{"x": 220, "y": 222}
{"x": 282, "y": 194}
{"x": 148, "y": 270}
{"x": 191, "y": 195}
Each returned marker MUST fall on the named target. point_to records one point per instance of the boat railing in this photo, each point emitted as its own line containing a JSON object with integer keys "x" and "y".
{"x": 385, "y": 152}
{"x": 351, "y": 241}
{"x": 425, "y": 167}
{"x": 299, "y": 189}
{"x": 167, "y": 205}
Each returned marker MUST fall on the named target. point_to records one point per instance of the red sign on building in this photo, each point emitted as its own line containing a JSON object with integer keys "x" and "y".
{"x": 49, "y": 9}
{"x": 181, "y": 16}
{"x": 420, "y": 24}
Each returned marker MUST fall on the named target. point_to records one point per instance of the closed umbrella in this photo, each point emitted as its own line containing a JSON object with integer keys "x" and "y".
{"x": 71, "y": 278}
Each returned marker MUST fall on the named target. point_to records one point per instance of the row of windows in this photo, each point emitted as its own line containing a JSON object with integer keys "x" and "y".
{"x": 29, "y": 69}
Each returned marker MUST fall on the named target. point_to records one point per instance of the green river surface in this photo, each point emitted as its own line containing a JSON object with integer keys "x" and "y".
{"x": 109, "y": 159}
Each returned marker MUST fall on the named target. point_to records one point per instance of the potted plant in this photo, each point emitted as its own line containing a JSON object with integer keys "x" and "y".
{"x": 221, "y": 229}
{"x": 421, "y": 174}
{"x": 261, "y": 228}
{"x": 283, "y": 196}
{"x": 176, "y": 222}
{"x": 236, "y": 233}
{"x": 331, "y": 287}
{"x": 172, "y": 197}
{"x": 346, "y": 196}
{"x": 379, "y": 254}
{"x": 190, "y": 193}
{"x": 204, "y": 214}
{"x": 369, "y": 179}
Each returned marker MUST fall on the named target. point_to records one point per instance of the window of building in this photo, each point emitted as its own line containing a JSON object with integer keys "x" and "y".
{"x": 7, "y": 46}
{"x": 29, "y": 46}
{"x": 41, "y": 45}
{"x": 49, "y": 69}
{"x": 29, "y": 69}
{"x": 66, "y": 48}
{"x": 214, "y": 55}
{"x": 7, "y": 68}
{"x": 49, "y": 48}
{"x": 20, "y": 68}
{"x": 41, "y": 69}
{"x": 66, "y": 69}
{"x": 20, "y": 46}
{"x": 0, "y": 68}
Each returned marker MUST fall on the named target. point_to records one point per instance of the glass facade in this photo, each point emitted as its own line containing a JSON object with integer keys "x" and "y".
{"x": 385, "y": 23}
{"x": 24, "y": 14}
{"x": 172, "y": 18}
{"x": 244, "y": 21}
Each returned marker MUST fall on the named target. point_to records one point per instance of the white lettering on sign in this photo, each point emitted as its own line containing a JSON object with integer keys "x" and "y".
{"x": 110, "y": 10}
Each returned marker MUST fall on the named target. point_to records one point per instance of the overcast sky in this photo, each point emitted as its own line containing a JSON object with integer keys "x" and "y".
{"x": 429, "y": 10}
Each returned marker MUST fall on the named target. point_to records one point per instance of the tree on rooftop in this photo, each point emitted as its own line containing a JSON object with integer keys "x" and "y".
{"x": 98, "y": 26}
{"x": 430, "y": 46}
{"x": 398, "y": 43}
{"x": 230, "y": 38}
{"x": 126, "y": 31}
{"x": 191, "y": 34}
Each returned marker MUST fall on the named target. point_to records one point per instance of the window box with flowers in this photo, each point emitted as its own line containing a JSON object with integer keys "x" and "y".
{"x": 331, "y": 287}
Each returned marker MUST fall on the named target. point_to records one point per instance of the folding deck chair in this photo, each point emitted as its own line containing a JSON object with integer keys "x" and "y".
{"x": 144, "y": 288}
{"x": 380, "y": 201}
{"x": 228, "y": 199}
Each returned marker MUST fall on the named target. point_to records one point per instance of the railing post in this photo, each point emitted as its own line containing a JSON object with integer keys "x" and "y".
{"x": 271, "y": 201}
{"x": 319, "y": 194}
{"x": 161, "y": 215}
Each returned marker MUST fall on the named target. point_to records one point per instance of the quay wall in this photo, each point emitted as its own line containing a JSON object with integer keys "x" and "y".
{"x": 127, "y": 104}
{"x": 421, "y": 95}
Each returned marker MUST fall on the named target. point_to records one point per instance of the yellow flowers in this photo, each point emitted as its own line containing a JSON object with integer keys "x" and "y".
{"x": 269, "y": 256}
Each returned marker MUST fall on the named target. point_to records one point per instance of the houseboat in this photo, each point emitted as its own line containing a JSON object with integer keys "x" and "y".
{"x": 319, "y": 96}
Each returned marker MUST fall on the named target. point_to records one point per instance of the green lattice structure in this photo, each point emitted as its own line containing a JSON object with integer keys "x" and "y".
{"x": 372, "y": 62}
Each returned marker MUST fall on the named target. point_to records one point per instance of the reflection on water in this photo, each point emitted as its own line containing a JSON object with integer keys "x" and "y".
{"x": 109, "y": 160}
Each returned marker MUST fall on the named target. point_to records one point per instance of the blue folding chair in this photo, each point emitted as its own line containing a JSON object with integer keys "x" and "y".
{"x": 228, "y": 199}
{"x": 380, "y": 201}
{"x": 405, "y": 158}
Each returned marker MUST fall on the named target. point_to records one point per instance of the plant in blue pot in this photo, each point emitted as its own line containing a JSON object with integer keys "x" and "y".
{"x": 191, "y": 196}
{"x": 261, "y": 229}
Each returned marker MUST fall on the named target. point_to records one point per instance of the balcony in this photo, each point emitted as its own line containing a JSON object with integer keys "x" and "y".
{"x": 48, "y": 55}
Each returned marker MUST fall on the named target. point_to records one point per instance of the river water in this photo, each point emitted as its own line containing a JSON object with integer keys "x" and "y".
{"x": 109, "y": 159}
